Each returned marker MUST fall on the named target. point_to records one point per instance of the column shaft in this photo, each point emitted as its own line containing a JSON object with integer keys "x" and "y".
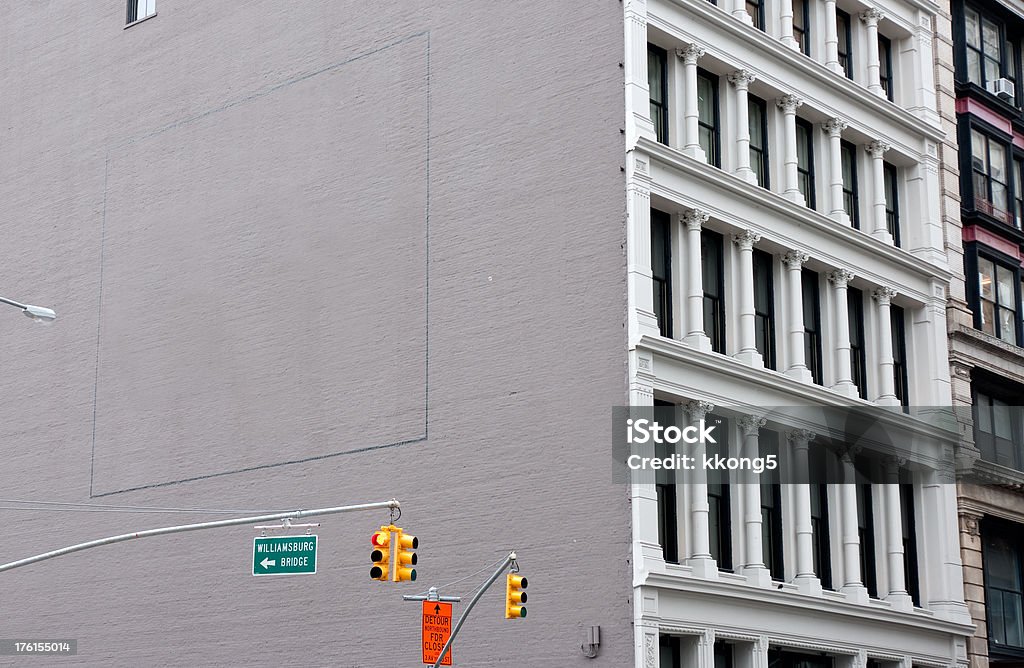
{"x": 742, "y": 79}
{"x": 692, "y": 147}
{"x": 886, "y": 379}
{"x": 871, "y": 17}
{"x": 831, "y": 38}
{"x": 880, "y": 226}
{"x": 793, "y": 261}
{"x": 748, "y": 341}
{"x": 844, "y": 374}
{"x": 789, "y": 104}
{"x": 695, "y": 335}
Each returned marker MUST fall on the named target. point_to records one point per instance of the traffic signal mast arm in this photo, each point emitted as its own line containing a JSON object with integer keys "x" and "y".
{"x": 292, "y": 514}
{"x": 469, "y": 608}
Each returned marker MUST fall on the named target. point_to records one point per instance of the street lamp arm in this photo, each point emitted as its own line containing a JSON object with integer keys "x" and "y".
{"x": 14, "y": 303}
{"x": 294, "y": 514}
{"x": 37, "y": 313}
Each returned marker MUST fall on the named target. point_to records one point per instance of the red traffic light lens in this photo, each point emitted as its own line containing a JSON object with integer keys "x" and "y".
{"x": 379, "y": 539}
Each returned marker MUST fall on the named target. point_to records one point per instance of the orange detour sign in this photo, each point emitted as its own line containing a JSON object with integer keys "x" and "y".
{"x": 437, "y": 628}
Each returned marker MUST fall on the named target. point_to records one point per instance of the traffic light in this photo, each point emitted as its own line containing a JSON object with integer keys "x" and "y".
{"x": 405, "y": 558}
{"x": 381, "y": 555}
{"x": 514, "y": 595}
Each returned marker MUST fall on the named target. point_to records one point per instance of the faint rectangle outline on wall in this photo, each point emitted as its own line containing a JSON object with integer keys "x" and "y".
{"x": 244, "y": 381}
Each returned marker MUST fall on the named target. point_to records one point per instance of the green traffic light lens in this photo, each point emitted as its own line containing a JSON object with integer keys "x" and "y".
{"x": 522, "y": 612}
{"x": 412, "y": 575}
{"x": 376, "y": 573}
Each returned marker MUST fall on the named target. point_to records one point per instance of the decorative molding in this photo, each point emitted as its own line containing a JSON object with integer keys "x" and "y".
{"x": 840, "y": 278}
{"x": 883, "y": 295}
{"x": 834, "y": 127}
{"x": 741, "y": 78}
{"x": 970, "y": 523}
{"x": 650, "y": 647}
{"x": 877, "y": 149}
{"x": 795, "y": 259}
{"x": 750, "y": 424}
{"x": 802, "y": 436}
{"x": 694, "y": 218}
{"x": 699, "y": 410}
{"x": 690, "y": 54}
{"x": 746, "y": 239}
{"x": 789, "y": 103}
{"x": 872, "y": 16}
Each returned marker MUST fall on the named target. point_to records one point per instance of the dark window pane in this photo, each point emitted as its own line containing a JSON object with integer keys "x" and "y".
{"x": 812, "y": 323}
{"x": 755, "y": 10}
{"x": 845, "y": 40}
{"x": 848, "y": 153}
{"x": 899, "y": 354}
{"x": 764, "y": 307}
{"x": 707, "y": 116}
{"x": 858, "y": 365}
{"x": 885, "y": 66}
{"x": 866, "y": 532}
{"x": 714, "y": 289}
{"x": 892, "y": 202}
{"x": 801, "y": 25}
{"x": 757, "y": 121}
{"x": 657, "y": 81}
{"x": 805, "y": 161}
{"x": 661, "y": 269}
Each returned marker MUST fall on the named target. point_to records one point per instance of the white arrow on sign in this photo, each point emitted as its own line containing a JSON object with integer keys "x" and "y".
{"x": 267, "y": 562}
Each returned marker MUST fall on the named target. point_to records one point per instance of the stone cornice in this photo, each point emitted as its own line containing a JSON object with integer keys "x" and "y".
{"x": 810, "y": 68}
{"x": 977, "y": 349}
{"x": 798, "y": 392}
{"x": 873, "y": 612}
{"x": 817, "y": 222}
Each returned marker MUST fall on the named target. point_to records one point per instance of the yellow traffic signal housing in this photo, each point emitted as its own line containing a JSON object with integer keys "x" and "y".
{"x": 405, "y": 558}
{"x": 514, "y": 596}
{"x": 381, "y": 555}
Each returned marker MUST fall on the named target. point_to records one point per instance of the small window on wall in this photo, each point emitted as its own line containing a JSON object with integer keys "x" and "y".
{"x": 661, "y": 270}
{"x": 989, "y": 175}
{"x": 707, "y": 116}
{"x": 801, "y": 25}
{"x": 845, "y": 43}
{"x": 999, "y": 426}
{"x": 984, "y": 48}
{"x": 885, "y": 66}
{"x": 140, "y": 9}
{"x": 851, "y": 196}
{"x": 899, "y": 355}
{"x": 998, "y": 314}
{"x": 755, "y": 10}
{"x": 757, "y": 122}
{"x": 1018, "y": 191}
{"x": 1004, "y": 589}
{"x": 805, "y": 161}
{"x": 892, "y": 202}
{"x": 657, "y": 82}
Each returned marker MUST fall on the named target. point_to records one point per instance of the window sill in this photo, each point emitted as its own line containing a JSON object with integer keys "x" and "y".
{"x": 135, "y": 23}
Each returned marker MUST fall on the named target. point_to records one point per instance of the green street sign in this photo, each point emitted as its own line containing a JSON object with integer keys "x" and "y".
{"x": 286, "y": 555}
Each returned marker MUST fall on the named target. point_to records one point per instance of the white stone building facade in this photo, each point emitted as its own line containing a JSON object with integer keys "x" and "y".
{"x": 785, "y": 248}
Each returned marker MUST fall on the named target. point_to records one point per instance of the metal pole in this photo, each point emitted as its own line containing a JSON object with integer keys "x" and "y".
{"x": 13, "y": 303}
{"x": 294, "y": 514}
{"x": 469, "y": 608}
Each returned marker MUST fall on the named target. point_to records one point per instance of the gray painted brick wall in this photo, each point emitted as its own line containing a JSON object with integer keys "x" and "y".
{"x": 239, "y": 258}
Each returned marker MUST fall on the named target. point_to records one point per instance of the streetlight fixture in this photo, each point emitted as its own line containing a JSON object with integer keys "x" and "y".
{"x": 37, "y": 313}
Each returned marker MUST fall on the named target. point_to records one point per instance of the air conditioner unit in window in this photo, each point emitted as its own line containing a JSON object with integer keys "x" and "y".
{"x": 1002, "y": 88}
